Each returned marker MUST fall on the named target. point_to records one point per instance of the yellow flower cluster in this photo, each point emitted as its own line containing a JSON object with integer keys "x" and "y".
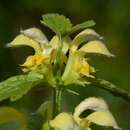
{"x": 73, "y": 53}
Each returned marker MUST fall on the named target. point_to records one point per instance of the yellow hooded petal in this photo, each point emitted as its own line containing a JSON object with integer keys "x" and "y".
{"x": 35, "y": 34}
{"x": 84, "y": 36}
{"x": 63, "y": 121}
{"x": 96, "y": 46}
{"x": 103, "y": 118}
{"x": 22, "y": 40}
{"x": 91, "y": 103}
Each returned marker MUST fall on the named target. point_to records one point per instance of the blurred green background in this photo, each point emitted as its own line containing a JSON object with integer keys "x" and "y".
{"x": 112, "y": 19}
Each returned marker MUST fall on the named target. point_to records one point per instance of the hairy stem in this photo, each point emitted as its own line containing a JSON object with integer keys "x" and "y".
{"x": 113, "y": 89}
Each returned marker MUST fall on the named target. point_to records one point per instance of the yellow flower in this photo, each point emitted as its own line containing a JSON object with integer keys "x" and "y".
{"x": 34, "y": 38}
{"x": 88, "y": 41}
{"x": 102, "y": 116}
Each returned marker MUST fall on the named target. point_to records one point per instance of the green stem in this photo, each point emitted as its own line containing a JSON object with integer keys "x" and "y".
{"x": 58, "y": 65}
{"x": 58, "y": 71}
{"x": 113, "y": 89}
{"x": 57, "y": 101}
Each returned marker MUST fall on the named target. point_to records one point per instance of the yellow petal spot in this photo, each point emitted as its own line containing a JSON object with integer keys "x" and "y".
{"x": 33, "y": 61}
{"x": 83, "y": 67}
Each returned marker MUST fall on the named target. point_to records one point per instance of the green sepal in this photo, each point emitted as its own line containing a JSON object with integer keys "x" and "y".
{"x": 72, "y": 92}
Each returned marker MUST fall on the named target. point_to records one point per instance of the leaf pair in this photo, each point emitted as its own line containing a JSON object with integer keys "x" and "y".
{"x": 62, "y": 25}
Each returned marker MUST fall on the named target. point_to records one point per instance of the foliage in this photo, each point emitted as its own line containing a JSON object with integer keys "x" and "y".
{"x": 64, "y": 26}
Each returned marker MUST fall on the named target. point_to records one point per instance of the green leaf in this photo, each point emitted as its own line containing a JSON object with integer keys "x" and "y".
{"x": 45, "y": 110}
{"x": 73, "y": 92}
{"x": 16, "y": 86}
{"x": 57, "y": 23}
{"x": 83, "y": 25}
